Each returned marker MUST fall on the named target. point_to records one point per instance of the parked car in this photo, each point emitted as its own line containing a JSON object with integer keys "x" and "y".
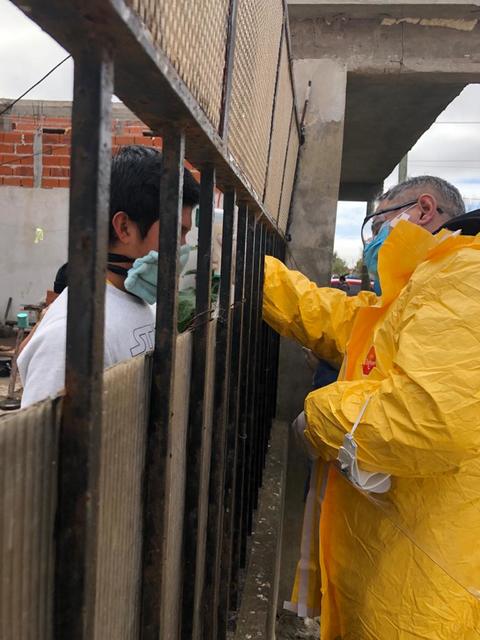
{"x": 351, "y": 283}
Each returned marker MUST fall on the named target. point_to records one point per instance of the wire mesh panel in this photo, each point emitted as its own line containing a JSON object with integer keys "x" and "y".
{"x": 28, "y": 480}
{"x": 280, "y": 133}
{"x": 259, "y": 26}
{"x": 193, "y": 34}
{"x": 141, "y": 466}
{"x": 198, "y": 39}
{"x": 289, "y": 175}
{"x": 126, "y": 398}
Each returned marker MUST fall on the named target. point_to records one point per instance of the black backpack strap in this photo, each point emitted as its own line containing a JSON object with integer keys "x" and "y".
{"x": 468, "y": 223}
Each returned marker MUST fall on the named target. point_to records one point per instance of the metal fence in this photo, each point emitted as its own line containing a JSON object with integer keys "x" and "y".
{"x": 154, "y": 469}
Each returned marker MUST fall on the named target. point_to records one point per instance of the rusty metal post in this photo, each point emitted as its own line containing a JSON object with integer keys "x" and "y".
{"x": 80, "y": 434}
{"x": 194, "y": 536}
{"x": 236, "y": 366}
{"x": 240, "y": 483}
{"x": 171, "y": 191}
{"x": 252, "y": 396}
{"x": 220, "y": 412}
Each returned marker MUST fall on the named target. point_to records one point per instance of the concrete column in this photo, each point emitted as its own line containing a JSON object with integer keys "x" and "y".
{"x": 314, "y": 206}
{"x": 310, "y": 251}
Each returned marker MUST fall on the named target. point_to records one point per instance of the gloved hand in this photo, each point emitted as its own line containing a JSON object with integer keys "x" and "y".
{"x": 299, "y": 425}
{"x": 142, "y": 277}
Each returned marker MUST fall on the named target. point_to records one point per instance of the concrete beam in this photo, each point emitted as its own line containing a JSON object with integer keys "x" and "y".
{"x": 358, "y": 191}
{"x": 302, "y": 9}
{"x": 406, "y": 62}
{"x": 385, "y": 44}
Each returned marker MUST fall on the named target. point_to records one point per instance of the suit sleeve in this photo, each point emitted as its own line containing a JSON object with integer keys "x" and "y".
{"x": 423, "y": 418}
{"x": 320, "y": 318}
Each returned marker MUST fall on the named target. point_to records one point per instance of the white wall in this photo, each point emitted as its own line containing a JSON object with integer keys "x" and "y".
{"x": 28, "y": 264}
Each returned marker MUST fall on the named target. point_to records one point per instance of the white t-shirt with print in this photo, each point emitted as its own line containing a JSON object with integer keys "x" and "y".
{"x": 129, "y": 331}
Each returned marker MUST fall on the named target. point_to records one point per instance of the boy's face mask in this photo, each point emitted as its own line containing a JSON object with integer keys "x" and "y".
{"x": 142, "y": 277}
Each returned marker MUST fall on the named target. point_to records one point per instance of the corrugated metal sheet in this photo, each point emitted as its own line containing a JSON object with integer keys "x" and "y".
{"x": 126, "y": 406}
{"x": 28, "y": 478}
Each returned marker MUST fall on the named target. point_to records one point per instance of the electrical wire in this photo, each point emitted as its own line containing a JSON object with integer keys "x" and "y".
{"x": 59, "y": 64}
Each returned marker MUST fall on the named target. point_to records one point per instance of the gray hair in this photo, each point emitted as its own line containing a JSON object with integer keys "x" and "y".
{"x": 448, "y": 196}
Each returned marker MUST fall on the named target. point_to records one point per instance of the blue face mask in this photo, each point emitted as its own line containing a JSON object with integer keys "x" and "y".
{"x": 370, "y": 255}
{"x": 371, "y": 249}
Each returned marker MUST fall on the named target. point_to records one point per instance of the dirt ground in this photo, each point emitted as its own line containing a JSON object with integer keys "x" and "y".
{"x": 290, "y": 627}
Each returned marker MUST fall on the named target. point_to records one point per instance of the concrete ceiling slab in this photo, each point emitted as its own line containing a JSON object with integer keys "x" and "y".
{"x": 406, "y": 61}
{"x": 384, "y": 118}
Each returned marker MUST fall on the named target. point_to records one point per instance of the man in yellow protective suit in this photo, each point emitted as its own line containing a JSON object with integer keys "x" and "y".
{"x": 391, "y": 541}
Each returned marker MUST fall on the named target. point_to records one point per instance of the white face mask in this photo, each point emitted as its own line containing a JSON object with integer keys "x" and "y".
{"x": 375, "y": 482}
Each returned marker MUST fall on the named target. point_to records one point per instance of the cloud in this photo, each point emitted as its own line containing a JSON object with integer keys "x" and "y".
{"x": 348, "y": 244}
{"x": 30, "y": 53}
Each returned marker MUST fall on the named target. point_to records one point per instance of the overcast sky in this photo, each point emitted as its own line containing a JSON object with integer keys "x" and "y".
{"x": 449, "y": 149}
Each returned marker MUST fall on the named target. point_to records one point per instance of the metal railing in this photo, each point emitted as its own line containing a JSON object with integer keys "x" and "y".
{"x": 158, "y": 463}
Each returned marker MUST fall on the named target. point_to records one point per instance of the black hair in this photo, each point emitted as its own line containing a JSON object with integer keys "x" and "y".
{"x": 135, "y": 186}
{"x": 61, "y": 279}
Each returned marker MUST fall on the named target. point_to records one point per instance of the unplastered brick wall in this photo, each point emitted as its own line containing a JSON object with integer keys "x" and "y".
{"x": 35, "y": 150}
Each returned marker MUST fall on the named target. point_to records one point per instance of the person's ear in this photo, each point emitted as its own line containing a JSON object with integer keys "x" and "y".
{"x": 428, "y": 209}
{"x": 121, "y": 224}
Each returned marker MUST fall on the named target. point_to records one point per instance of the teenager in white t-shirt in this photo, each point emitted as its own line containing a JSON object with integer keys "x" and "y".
{"x": 129, "y": 321}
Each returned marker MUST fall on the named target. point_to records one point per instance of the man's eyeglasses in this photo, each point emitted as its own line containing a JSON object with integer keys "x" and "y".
{"x": 372, "y": 223}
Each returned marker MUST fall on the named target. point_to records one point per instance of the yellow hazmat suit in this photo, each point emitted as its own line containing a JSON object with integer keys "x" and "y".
{"x": 405, "y": 564}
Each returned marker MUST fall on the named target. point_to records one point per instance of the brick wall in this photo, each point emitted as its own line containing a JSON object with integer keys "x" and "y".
{"x": 35, "y": 151}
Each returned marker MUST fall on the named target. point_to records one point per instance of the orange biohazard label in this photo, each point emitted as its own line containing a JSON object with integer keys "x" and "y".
{"x": 370, "y": 361}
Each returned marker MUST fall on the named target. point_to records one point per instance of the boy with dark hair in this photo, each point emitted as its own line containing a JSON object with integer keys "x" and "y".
{"x": 133, "y": 233}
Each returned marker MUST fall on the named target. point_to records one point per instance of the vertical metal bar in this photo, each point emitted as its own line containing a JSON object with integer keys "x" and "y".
{"x": 80, "y": 434}
{"x": 220, "y": 412}
{"x": 228, "y": 71}
{"x": 271, "y": 374}
{"x": 193, "y": 534}
{"x": 261, "y": 388}
{"x": 242, "y": 419}
{"x": 160, "y": 426}
{"x": 252, "y": 397}
{"x": 236, "y": 366}
{"x": 265, "y": 382}
{"x": 279, "y": 252}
